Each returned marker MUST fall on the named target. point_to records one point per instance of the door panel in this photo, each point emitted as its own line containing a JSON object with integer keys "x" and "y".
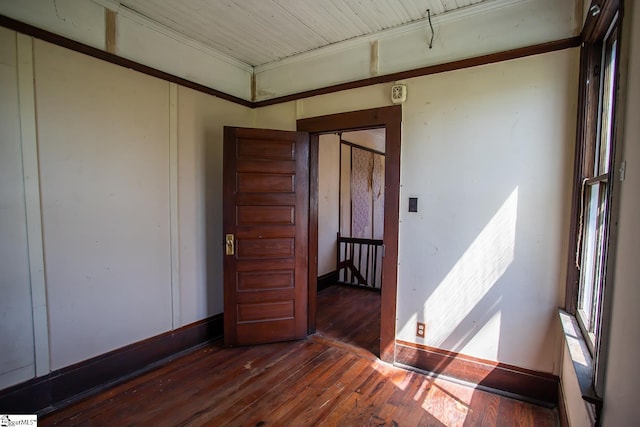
{"x": 251, "y": 280}
{"x": 255, "y": 214}
{"x": 266, "y": 204}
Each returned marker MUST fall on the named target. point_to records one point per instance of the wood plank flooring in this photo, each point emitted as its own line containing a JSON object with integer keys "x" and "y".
{"x": 350, "y": 315}
{"x": 315, "y": 382}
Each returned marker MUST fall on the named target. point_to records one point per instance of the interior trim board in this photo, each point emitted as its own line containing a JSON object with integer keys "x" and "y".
{"x": 432, "y": 69}
{"x": 64, "y": 386}
{"x": 507, "y": 55}
{"x": 68, "y": 43}
{"x": 530, "y": 385}
{"x": 389, "y": 118}
{"x": 327, "y": 280}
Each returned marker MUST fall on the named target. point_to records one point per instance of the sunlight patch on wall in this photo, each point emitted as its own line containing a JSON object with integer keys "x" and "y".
{"x": 485, "y": 341}
{"x": 477, "y": 270}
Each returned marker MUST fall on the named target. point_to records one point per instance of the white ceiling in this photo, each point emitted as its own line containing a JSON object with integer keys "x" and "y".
{"x": 258, "y": 32}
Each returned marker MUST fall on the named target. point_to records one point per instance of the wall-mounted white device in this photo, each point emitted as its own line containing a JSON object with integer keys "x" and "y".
{"x": 398, "y": 93}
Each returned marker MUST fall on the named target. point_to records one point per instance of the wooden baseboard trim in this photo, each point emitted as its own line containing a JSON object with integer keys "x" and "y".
{"x": 562, "y": 407}
{"x": 528, "y": 384}
{"x": 64, "y": 386}
{"x": 327, "y": 280}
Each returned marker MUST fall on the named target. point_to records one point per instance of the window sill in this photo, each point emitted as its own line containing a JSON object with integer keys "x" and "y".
{"x": 583, "y": 365}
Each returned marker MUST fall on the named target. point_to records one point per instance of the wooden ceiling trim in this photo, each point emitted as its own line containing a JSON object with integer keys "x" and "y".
{"x": 65, "y": 42}
{"x": 432, "y": 69}
{"x": 50, "y": 37}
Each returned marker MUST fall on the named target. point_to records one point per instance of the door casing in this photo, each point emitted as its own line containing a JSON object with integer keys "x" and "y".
{"x": 391, "y": 119}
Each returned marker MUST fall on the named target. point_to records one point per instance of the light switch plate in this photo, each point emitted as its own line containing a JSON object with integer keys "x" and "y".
{"x": 413, "y": 204}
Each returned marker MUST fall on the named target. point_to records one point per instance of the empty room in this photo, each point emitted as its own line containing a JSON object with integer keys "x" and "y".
{"x": 319, "y": 212}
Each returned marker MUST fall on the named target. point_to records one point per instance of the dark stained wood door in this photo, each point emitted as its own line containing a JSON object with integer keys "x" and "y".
{"x": 266, "y": 210}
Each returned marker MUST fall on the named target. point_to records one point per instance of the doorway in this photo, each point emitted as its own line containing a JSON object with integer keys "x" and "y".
{"x": 390, "y": 119}
{"x": 350, "y": 237}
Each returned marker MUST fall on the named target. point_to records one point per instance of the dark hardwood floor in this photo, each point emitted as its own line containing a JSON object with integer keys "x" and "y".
{"x": 330, "y": 379}
{"x": 351, "y": 316}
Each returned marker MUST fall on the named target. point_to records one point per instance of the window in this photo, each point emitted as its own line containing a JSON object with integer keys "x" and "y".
{"x": 595, "y": 194}
{"x": 594, "y": 185}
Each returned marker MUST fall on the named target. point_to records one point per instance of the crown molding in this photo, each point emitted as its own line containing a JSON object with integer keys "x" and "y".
{"x": 113, "y": 5}
{"x": 101, "y": 54}
{"x": 146, "y": 22}
{"x": 455, "y": 15}
{"x": 507, "y": 55}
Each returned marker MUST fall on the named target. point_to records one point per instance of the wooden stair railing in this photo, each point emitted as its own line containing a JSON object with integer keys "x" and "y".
{"x": 360, "y": 262}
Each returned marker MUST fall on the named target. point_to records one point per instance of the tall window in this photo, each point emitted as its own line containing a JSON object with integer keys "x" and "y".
{"x": 595, "y": 190}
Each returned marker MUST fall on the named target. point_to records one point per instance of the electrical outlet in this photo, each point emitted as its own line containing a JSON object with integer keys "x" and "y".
{"x": 421, "y": 329}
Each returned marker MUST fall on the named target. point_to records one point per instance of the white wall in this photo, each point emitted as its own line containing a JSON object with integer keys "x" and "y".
{"x": 147, "y": 42}
{"x": 103, "y": 138}
{"x": 200, "y": 136}
{"x": 488, "y": 152}
{"x": 277, "y": 116}
{"x": 79, "y": 20}
{"x": 16, "y": 328}
{"x": 328, "y": 201}
{"x": 344, "y": 101}
{"x": 371, "y": 138}
{"x": 109, "y": 185}
{"x": 622, "y": 374}
{"x": 105, "y": 187}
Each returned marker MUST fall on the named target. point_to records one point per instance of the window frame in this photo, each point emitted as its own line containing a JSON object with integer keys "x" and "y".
{"x": 601, "y": 31}
{"x": 593, "y": 244}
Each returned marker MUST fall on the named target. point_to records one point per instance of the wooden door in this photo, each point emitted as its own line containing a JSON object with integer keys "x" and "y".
{"x": 266, "y": 209}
